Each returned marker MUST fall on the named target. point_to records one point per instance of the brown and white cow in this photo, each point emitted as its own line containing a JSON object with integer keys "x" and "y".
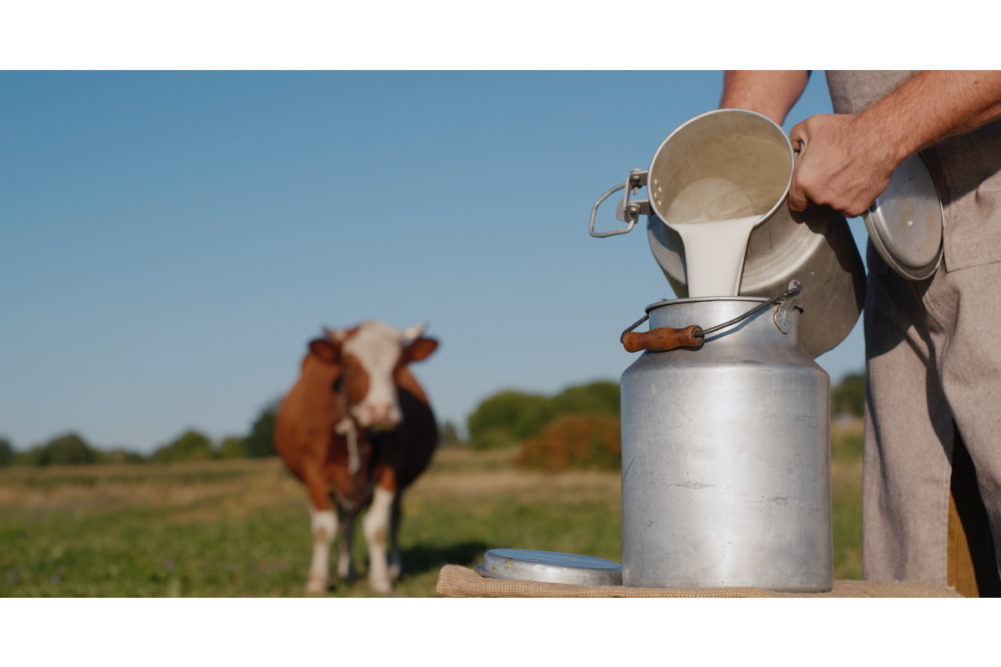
{"x": 357, "y": 429}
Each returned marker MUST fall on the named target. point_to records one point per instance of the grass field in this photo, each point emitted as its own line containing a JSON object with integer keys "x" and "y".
{"x": 240, "y": 528}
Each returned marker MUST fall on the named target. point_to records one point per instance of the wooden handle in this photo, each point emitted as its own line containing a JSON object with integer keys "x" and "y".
{"x": 662, "y": 339}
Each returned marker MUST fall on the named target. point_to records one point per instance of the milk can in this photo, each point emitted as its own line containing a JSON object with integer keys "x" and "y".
{"x": 725, "y": 450}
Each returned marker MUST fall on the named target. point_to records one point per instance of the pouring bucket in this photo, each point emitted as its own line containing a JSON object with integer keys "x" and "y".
{"x": 734, "y": 163}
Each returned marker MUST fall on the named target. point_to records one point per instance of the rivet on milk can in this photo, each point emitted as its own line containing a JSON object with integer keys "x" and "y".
{"x": 725, "y": 415}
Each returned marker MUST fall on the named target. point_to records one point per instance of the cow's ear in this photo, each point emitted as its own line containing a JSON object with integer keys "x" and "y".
{"x": 324, "y": 350}
{"x": 420, "y": 349}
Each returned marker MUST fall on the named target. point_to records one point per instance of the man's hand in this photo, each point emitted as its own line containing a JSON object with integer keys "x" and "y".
{"x": 849, "y": 159}
{"x": 843, "y": 163}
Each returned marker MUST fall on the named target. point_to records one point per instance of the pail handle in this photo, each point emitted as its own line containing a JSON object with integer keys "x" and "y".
{"x": 664, "y": 339}
{"x": 629, "y": 211}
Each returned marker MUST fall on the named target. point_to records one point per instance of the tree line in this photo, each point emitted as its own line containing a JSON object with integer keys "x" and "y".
{"x": 510, "y": 416}
{"x": 580, "y": 427}
{"x": 577, "y": 425}
{"x": 191, "y": 445}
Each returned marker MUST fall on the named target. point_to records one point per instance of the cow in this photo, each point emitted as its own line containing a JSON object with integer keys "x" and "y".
{"x": 356, "y": 428}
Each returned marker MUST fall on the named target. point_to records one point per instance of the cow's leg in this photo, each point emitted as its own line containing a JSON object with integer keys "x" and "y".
{"x": 376, "y": 528}
{"x": 345, "y": 562}
{"x": 324, "y": 526}
{"x": 395, "y": 560}
{"x": 323, "y": 523}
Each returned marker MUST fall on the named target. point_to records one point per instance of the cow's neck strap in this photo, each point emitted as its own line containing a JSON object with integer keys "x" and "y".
{"x": 347, "y": 428}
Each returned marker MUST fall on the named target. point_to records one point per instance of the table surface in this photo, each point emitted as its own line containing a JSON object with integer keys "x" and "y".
{"x": 461, "y": 582}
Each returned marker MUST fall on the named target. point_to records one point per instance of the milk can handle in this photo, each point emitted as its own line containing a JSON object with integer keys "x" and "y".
{"x": 663, "y": 339}
{"x": 631, "y": 211}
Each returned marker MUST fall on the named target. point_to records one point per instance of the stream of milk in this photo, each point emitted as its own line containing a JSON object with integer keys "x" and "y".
{"x": 714, "y": 254}
{"x": 710, "y": 214}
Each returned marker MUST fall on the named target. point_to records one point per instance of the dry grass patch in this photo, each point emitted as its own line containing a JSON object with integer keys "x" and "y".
{"x": 230, "y": 486}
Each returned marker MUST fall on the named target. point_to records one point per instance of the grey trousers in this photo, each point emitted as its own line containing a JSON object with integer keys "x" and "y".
{"x": 933, "y": 366}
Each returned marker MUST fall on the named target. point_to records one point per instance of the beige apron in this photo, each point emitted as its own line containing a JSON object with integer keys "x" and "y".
{"x": 933, "y": 369}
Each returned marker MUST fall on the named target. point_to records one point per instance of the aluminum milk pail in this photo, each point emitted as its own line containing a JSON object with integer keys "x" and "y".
{"x": 731, "y": 163}
{"x": 726, "y": 454}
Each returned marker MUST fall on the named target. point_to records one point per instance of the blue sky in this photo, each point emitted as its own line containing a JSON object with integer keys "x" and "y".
{"x": 170, "y": 241}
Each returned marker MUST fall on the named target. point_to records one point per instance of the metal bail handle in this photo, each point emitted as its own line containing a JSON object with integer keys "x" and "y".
{"x": 664, "y": 339}
{"x": 627, "y": 211}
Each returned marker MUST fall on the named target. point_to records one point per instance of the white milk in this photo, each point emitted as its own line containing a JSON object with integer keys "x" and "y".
{"x": 710, "y": 214}
{"x": 714, "y": 254}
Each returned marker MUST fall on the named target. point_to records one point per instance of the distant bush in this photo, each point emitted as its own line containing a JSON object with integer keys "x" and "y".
{"x": 119, "y": 456}
{"x": 848, "y": 396}
{"x": 494, "y": 438}
{"x": 260, "y": 442}
{"x": 507, "y": 417}
{"x": 511, "y": 416}
{"x": 231, "y": 448}
{"x": 69, "y": 449}
{"x": 26, "y": 458}
{"x": 574, "y": 441}
{"x": 189, "y": 446}
{"x": 595, "y": 398}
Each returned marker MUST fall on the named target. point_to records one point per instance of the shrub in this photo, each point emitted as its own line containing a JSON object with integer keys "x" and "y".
{"x": 513, "y": 415}
{"x": 231, "y": 448}
{"x": 120, "y": 455}
{"x": 260, "y": 442}
{"x": 189, "y": 446}
{"x": 574, "y": 441}
{"x": 848, "y": 396}
{"x": 507, "y": 417}
{"x": 595, "y": 398}
{"x": 494, "y": 438}
{"x": 69, "y": 449}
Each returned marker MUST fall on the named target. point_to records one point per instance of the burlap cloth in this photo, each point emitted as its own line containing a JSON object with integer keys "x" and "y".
{"x": 461, "y": 582}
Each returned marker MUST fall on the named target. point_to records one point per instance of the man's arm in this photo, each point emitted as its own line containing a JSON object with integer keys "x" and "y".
{"x": 769, "y": 92}
{"x": 849, "y": 159}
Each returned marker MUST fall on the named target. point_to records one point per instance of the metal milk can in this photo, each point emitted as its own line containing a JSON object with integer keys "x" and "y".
{"x": 725, "y": 449}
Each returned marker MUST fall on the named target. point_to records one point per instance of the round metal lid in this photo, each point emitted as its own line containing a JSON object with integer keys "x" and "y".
{"x": 551, "y": 567}
{"x": 905, "y": 222}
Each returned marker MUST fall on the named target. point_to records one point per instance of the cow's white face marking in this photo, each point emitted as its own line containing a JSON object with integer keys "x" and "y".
{"x": 376, "y": 348}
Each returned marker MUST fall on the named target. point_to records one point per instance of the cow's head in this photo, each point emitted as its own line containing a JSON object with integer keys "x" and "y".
{"x": 370, "y": 356}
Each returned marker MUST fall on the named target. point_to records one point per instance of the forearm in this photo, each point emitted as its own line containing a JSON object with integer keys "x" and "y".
{"x": 931, "y": 106}
{"x": 769, "y": 92}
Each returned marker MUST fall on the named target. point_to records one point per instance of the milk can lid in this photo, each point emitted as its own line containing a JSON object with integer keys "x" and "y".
{"x": 551, "y": 567}
{"x": 905, "y": 222}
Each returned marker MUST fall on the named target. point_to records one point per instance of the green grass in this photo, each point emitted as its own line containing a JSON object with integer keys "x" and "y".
{"x": 240, "y": 528}
{"x": 846, "y": 496}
